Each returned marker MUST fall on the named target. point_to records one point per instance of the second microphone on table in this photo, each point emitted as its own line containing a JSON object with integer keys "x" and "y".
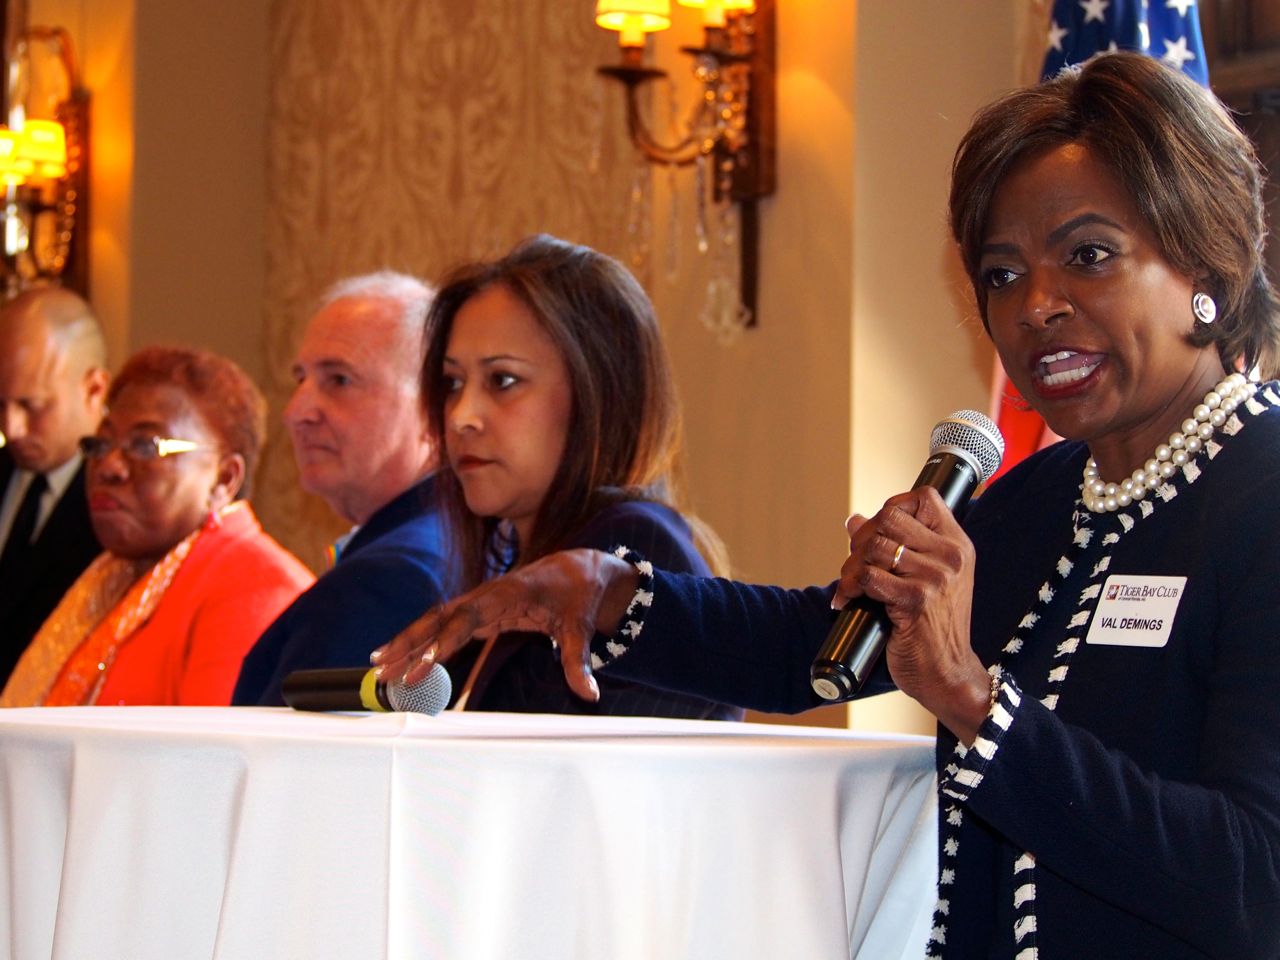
{"x": 358, "y": 688}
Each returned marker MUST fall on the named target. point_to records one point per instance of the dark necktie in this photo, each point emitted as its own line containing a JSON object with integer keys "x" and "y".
{"x": 18, "y": 545}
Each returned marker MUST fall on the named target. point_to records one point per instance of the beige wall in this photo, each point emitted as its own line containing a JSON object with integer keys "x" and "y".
{"x": 918, "y": 348}
{"x": 864, "y": 338}
{"x": 178, "y": 167}
{"x": 768, "y": 440}
{"x": 197, "y": 252}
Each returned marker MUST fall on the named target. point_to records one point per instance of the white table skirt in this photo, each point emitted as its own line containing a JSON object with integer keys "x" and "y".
{"x": 132, "y": 833}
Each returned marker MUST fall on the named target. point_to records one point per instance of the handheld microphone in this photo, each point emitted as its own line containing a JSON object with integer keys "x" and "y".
{"x": 358, "y": 688}
{"x": 965, "y": 449}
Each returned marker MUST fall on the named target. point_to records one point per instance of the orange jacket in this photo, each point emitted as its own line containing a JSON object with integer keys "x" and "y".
{"x": 232, "y": 585}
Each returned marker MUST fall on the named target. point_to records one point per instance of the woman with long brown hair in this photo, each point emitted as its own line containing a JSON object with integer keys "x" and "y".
{"x": 546, "y": 377}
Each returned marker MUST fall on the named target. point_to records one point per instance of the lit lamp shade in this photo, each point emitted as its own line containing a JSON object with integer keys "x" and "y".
{"x": 44, "y": 144}
{"x": 633, "y": 18}
{"x": 713, "y": 11}
{"x": 14, "y": 168}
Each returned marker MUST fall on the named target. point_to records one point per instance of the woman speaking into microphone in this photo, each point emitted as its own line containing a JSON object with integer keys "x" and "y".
{"x": 1099, "y": 636}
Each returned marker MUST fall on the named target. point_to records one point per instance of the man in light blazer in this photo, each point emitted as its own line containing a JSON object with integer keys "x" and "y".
{"x": 53, "y": 382}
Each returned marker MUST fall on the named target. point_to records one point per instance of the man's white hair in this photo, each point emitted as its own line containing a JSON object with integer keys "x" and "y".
{"x": 413, "y": 295}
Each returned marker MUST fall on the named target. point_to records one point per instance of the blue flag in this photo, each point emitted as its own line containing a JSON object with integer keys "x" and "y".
{"x": 1168, "y": 30}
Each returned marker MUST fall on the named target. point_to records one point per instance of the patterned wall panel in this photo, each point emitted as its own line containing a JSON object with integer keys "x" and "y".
{"x": 414, "y": 134}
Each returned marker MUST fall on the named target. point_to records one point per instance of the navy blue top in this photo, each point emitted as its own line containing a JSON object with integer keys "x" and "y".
{"x": 530, "y": 679}
{"x": 1145, "y": 781}
{"x": 391, "y": 570}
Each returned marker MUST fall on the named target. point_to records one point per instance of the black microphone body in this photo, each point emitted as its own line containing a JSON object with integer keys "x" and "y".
{"x": 861, "y": 630}
{"x": 358, "y": 688}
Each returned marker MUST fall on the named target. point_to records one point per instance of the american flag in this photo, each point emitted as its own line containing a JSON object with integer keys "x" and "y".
{"x": 1166, "y": 29}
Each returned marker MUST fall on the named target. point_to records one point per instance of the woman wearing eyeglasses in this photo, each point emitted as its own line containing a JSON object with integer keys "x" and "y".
{"x": 189, "y": 578}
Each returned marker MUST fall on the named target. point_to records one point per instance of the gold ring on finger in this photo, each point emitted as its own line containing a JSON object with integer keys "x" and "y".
{"x": 897, "y": 556}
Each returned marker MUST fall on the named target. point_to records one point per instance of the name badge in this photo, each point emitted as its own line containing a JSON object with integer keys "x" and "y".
{"x": 1136, "y": 611}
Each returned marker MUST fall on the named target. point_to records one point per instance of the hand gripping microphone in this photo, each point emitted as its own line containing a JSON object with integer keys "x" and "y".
{"x": 965, "y": 449}
{"x": 358, "y": 688}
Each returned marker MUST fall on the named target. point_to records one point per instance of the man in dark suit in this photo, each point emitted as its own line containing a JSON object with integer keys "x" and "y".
{"x": 53, "y": 381}
{"x": 361, "y": 440}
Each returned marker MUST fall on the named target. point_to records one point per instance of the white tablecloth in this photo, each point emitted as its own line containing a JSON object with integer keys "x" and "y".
{"x": 171, "y": 833}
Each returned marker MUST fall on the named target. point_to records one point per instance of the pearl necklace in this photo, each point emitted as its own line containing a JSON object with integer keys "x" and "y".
{"x": 1218, "y": 404}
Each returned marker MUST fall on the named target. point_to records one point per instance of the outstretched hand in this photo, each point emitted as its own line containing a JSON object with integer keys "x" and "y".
{"x": 570, "y": 596}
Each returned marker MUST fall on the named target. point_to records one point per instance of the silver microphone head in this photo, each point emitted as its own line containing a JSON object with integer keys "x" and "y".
{"x": 429, "y": 695}
{"x": 973, "y": 436}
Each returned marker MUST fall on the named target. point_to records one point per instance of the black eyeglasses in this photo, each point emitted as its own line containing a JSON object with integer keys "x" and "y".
{"x": 138, "y": 449}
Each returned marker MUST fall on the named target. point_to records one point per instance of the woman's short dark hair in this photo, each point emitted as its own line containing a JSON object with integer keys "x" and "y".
{"x": 1192, "y": 174}
{"x": 222, "y": 393}
{"x": 624, "y": 427}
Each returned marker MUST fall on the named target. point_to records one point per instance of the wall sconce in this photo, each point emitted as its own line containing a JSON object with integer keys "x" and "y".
{"x": 43, "y": 164}
{"x": 732, "y": 128}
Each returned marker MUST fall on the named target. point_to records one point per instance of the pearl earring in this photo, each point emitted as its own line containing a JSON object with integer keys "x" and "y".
{"x": 1204, "y": 308}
